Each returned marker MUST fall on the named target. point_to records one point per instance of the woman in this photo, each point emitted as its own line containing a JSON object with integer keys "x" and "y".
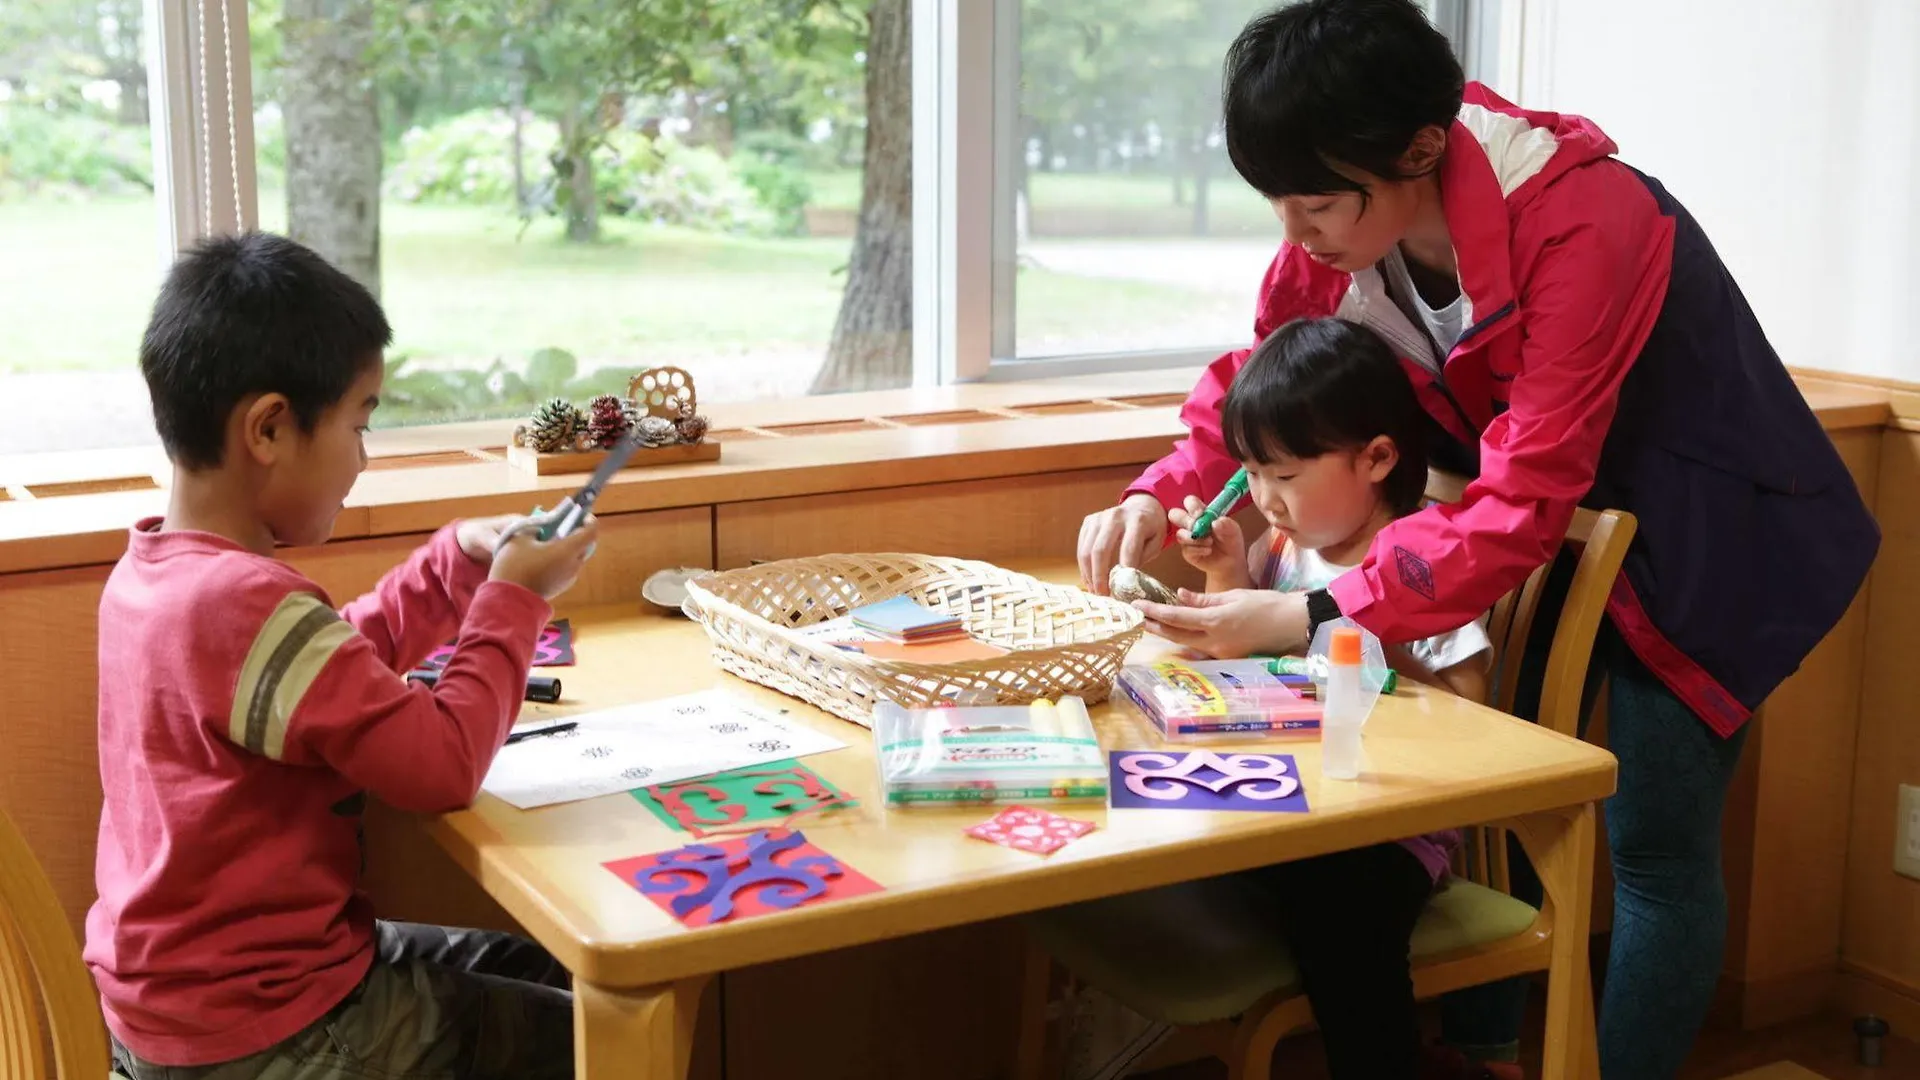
{"x": 1576, "y": 340}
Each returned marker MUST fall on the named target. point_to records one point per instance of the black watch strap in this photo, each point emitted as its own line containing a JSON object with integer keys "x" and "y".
{"x": 1321, "y": 609}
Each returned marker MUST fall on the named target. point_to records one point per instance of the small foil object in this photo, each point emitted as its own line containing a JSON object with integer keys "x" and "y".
{"x": 1127, "y": 584}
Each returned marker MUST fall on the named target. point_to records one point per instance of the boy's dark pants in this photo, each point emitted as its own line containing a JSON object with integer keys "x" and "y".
{"x": 438, "y": 1002}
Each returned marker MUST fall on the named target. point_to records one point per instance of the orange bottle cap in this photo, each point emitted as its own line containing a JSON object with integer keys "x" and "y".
{"x": 1346, "y": 647}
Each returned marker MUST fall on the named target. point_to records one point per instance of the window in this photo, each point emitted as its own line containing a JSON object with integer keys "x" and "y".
{"x": 781, "y": 196}
{"x": 552, "y": 196}
{"x": 77, "y": 221}
{"x": 1133, "y": 233}
{"x": 1122, "y": 235}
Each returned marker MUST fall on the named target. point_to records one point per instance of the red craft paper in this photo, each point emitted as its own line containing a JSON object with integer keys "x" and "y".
{"x": 1027, "y": 829}
{"x": 748, "y": 902}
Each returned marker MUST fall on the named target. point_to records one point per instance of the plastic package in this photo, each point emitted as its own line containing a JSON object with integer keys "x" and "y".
{"x": 1206, "y": 699}
{"x": 996, "y": 753}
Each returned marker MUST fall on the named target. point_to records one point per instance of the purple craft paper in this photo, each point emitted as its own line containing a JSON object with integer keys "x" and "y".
{"x": 1204, "y": 780}
{"x": 554, "y": 649}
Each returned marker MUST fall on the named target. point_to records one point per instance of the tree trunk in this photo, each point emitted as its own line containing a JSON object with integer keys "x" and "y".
{"x": 333, "y": 134}
{"x": 575, "y": 166}
{"x": 872, "y": 346}
{"x": 1202, "y": 174}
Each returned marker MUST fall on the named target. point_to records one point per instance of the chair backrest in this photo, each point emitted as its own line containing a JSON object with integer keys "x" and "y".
{"x": 1602, "y": 537}
{"x": 41, "y": 975}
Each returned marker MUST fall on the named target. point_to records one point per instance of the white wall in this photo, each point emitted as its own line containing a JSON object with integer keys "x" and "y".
{"x": 1790, "y": 128}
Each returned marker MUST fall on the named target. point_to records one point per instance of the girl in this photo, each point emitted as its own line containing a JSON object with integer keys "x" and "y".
{"x": 1332, "y": 443}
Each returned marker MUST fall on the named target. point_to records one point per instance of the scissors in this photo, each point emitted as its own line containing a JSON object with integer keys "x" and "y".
{"x": 563, "y": 519}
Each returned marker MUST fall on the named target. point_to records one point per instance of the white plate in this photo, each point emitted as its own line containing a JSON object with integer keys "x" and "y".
{"x": 668, "y": 588}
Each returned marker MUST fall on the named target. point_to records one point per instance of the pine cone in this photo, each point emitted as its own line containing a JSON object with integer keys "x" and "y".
{"x": 555, "y": 426}
{"x": 656, "y": 431}
{"x": 692, "y": 428}
{"x": 608, "y": 421}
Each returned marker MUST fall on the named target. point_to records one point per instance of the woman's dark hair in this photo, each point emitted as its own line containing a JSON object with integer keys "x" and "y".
{"x": 1321, "y": 81}
{"x": 1320, "y": 385}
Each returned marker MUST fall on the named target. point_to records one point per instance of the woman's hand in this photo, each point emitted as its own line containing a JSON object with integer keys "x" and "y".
{"x": 1229, "y": 625}
{"x": 1123, "y": 535}
{"x": 1222, "y": 555}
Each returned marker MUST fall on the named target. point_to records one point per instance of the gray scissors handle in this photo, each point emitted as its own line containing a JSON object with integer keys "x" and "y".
{"x": 542, "y": 525}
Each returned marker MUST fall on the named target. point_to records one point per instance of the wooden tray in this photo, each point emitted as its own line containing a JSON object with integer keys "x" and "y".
{"x": 540, "y": 464}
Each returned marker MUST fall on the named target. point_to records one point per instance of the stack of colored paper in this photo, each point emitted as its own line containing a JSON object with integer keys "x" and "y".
{"x": 901, "y": 619}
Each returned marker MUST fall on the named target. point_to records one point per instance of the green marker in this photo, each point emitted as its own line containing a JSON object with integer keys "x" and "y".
{"x": 1236, "y": 489}
{"x": 1297, "y": 665}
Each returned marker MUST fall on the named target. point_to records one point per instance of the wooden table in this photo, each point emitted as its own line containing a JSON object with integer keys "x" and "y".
{"x": 1433, "y": 762}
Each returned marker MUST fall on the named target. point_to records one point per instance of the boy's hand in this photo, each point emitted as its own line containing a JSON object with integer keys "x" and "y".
{"x": 1222, "y": 555}
{"x": 547, "y": 567}
{"x": 479, "y": 536}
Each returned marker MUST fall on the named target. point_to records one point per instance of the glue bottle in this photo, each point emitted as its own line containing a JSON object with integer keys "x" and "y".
{"x": 1344, "y": 709}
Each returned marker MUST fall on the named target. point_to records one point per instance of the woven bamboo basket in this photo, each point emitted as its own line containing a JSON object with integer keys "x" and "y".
{"x": 1060, "y": 640}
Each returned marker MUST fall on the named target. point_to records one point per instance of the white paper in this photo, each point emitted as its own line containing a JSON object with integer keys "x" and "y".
{"x": 654, "y": 742}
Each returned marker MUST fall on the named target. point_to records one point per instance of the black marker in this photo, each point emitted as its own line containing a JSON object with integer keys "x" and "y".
{"x": 537, "y": 732}
{"x": 541, "y": 688}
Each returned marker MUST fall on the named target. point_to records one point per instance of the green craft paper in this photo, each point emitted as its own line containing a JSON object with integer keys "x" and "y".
{"x": 739, "y": 784}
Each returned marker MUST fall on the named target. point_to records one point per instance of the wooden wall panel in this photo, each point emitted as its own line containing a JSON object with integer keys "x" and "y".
{"x": 1005, "y": 520}
{"x": 49, "y": 768}
{"x": 1881, "y": 930}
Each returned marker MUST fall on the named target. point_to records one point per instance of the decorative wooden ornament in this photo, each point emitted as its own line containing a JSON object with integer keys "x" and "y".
{"x": 663, "y": 404}
{"x": 660, "y": 392}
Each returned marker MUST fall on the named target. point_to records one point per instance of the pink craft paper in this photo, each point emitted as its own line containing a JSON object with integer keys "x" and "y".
{"x": 1027, "y": 829}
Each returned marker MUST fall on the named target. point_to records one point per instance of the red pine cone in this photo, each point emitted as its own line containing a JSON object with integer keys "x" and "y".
{"x": 608, "y": 421}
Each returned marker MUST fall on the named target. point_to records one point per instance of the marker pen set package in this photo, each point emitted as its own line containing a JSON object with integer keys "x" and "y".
{"x": 1044, "y": 752}
{"x": 1206, "y": 699}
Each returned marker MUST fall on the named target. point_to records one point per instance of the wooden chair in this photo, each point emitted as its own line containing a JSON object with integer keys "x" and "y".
{"x": 1202, "y": 955}
{"x": 41, "y": 973}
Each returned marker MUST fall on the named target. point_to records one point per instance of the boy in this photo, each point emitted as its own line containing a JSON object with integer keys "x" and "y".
{"x": 243, "y": 721}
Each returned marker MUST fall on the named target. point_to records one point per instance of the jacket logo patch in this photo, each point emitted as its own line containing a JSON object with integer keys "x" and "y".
{"x": 1415, "y": 572}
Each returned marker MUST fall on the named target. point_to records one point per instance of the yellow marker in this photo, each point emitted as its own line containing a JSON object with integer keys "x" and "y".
{"x": 1074, "y": 721}
{"x": 1046, "y": 720}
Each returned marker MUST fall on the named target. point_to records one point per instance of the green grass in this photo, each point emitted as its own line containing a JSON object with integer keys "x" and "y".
{"x": 466, "y": 286}
{"x": 1233, "y": 206}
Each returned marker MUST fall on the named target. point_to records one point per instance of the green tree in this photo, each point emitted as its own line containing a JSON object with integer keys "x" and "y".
{"x": 51, "y": 49}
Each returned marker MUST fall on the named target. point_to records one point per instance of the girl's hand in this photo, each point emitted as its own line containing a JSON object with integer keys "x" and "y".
{"x": 1221, "y": 555}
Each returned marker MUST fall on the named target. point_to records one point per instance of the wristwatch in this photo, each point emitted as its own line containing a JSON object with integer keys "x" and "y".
{"x": 1321, "y": 608}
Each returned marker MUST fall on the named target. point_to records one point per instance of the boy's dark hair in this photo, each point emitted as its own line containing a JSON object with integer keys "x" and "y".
{"x": 1319, "y": 385}
{"x": 252, "y": 314}
{"x": 1349, "y": 81}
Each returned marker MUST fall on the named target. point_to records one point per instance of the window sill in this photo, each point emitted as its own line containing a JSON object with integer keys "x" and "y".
{"x": 66, "y": 510}
{"x": 73, "y": 509}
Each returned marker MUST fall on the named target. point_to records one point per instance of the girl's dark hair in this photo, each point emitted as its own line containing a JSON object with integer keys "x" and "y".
{"x": 1320, "y": 81}
{"x": 1319, "y": 385}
